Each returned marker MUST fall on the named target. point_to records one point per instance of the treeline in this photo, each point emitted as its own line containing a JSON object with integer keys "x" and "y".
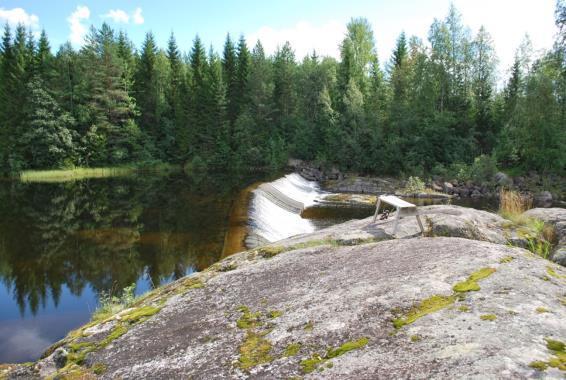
{"x": 434, "y": 107}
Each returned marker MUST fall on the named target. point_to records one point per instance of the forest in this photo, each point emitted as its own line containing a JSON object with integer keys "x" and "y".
{"x": 433, "y": 106}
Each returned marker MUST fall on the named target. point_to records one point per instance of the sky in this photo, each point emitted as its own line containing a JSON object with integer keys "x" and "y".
{"x": 308, "y": 25}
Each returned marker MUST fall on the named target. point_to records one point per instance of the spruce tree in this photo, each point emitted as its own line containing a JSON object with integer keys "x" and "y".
{"x": 229, "y": 70}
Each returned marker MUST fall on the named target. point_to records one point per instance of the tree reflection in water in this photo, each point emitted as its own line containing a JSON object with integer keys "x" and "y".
{"x": 108, "y": 233}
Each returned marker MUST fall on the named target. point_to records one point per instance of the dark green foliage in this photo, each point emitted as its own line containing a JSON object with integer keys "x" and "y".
{"x": 48, "y": 139}
{"x": 434, "y": 109}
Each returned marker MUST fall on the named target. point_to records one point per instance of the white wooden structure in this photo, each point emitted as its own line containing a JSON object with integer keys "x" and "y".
{"x": 404, "y": 208}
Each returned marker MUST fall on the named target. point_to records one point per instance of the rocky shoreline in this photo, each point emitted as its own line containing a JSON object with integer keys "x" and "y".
{"x": 349, "y": 301}
{"x": 335, "y": 181}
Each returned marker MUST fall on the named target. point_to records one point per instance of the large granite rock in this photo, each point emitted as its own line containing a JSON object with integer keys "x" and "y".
{"x": 344, "y": 302}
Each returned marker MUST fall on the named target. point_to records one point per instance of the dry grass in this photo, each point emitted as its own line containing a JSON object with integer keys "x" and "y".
{"x": 512, "y": 205}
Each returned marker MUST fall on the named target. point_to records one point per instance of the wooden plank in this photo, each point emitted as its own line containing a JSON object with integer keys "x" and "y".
{"x": 396, "y": 202}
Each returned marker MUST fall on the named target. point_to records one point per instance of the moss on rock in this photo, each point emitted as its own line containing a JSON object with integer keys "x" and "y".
{"x": 425, "y": 307}
{"x": 312, "y": 363}
{"x": 292, "y": 349}
{"x": 488, "y": 317}
{"x": 471, "y": 284}
{"x": 248, "y": 319}
{"x": 254, "y": 350}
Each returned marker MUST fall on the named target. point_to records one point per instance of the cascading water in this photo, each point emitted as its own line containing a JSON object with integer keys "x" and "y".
{"x": 272, "y": 214}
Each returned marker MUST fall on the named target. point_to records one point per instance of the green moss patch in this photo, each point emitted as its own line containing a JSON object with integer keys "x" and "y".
{"x": 555, "y": 345}
{"x": 292, "y": 349}
{"x": 542, "y": 310}
{"x": 539, "y": 365}
{"x": 464, "y": 308}
{"x": 506, "y": 259}
{"x": 139, "y": 314}
{"x": 558, "y": 358}
{"x": 270, "y": 251}
{"x": 552, "y": 273}
{"x": 488, "y": 317}
{"x": 425, "y": 307}
{"x": 416, "y": 338}
{"x": 117, "y": 332}
{"x": 309, "y": 326}
{"x": 274, "y": 314}
{"x": 99, "y": 368}
{"x": 248, "y": 319}
{"x": 255, "y": 350}
{"x": 310, "y": 364}
{"x": 471, "y": 284}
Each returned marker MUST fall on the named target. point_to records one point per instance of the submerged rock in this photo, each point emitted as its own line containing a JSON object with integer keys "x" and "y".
{"x": 350, "y": 301}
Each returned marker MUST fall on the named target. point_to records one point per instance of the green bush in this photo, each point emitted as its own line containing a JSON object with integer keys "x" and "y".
{"x": 483, "y": 169}
{"x": 414, "y": 185}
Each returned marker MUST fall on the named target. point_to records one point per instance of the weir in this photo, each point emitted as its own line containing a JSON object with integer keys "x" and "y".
{"x": 275, "y": 209}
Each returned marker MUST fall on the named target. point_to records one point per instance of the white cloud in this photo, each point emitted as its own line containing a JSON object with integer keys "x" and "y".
{"x": 78, "y": 29}
{"x": 118, "y": 16}
{"x": 137, "y": 17}
{"x": 304, "y": 38}
{"x": 18, "y": 16}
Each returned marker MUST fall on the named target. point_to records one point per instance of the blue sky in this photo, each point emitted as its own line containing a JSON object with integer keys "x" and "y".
{"x": 306, "y": 24}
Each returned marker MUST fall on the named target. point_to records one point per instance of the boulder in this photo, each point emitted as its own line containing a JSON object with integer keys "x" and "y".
{"x": 476, "y": 194}
{"x": 436, "y": 187}
{"x": 503, "y": 179}
{"x": 543, "y": 199}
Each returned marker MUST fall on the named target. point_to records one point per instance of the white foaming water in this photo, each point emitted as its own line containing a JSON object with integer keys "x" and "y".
{"x": 273, "y": 222}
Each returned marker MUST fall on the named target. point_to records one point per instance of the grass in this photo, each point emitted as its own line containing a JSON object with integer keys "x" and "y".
{"x": 79, "y": 173}
{"x": 539, "y": 236}
{"x": 512, "y": 205}
{"x": 111, "y": 303}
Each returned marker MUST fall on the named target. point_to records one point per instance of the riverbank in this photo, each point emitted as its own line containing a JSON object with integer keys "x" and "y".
{"x": 545, "y": 190}
{"x": 79, "y": 173}
{"x": 346, "y": 301}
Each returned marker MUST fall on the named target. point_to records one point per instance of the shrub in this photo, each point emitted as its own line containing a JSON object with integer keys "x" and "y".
{"x": 414, "y": 185}
{"x": 460, "y": 171}
{"x": 483, "y": 169}
{"x": 110, "y": 303}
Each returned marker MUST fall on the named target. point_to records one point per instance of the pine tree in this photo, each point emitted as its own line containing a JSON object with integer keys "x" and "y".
{"x": 260, "y": 87}
{"x": 229, "y": 70}
{"x": 242, "y": 75}
{"x": 284, "y": 93}
{"x": 145, "y": 88}
{"x": 176, "y": 97}
{"x": 199, "y": 98}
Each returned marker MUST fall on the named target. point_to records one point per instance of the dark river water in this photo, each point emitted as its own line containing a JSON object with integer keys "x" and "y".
{"x": 61, "y": 244}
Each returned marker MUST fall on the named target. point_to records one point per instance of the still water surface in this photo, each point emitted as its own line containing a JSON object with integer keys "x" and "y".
{"x": 61, "y": 244}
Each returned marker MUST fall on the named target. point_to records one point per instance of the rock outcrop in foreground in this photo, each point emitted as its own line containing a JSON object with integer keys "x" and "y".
{"x": 345, "y": 302}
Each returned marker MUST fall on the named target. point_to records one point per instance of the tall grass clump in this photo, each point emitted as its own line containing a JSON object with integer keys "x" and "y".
{"x": 111, "y": 303}
{"x": 512, "y": 205}
{"x": 539, "y": 236}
